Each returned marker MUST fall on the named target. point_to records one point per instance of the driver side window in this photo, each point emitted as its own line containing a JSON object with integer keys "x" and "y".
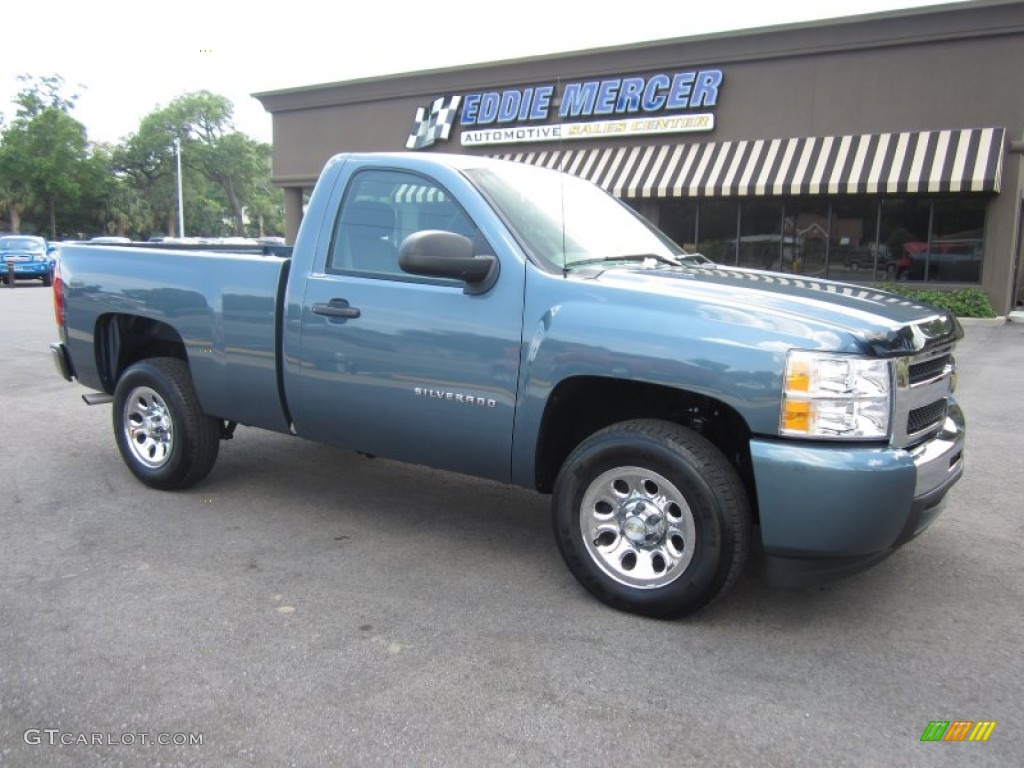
{"x": 382, "y": 208}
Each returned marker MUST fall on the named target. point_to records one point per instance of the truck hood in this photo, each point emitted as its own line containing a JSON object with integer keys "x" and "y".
{"x": 883, "y": 323}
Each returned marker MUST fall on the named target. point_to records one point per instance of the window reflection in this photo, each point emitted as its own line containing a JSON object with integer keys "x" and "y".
{"x": 678, "y": 220}
{"x": 904, "y": 236}
{"x": 956, "y": 242}
{"x": 854, "y": 252}
{"x": 718, "y": 224}
{"x": 761, "y": 243}
{"x": 806, "y": 226}
{"x": 854, "y": 239}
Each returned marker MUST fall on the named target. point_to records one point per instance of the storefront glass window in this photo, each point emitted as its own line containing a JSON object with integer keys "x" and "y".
{"x": 717, "y": 229}
{"x": 678, "y": 220}
{"x": 806, "y": 228}
{"x": 853, "y": 239}
{"x": 903, "y": 237}
{"x": 761, "y": 243}
{"x": 956, "y": 244}
{"x": 853, "y": 242}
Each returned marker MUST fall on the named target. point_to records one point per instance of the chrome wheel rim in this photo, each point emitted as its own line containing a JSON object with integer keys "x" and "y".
{"x": 637, "y": 527}
{"x": 148, "y": 428}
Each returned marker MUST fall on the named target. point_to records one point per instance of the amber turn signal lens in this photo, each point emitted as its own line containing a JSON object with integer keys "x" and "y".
{"x": 796, "y": 416}
{"x": 798, "y": 376}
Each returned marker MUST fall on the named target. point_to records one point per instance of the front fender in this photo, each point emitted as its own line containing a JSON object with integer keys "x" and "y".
{"x": 579, "y": 327}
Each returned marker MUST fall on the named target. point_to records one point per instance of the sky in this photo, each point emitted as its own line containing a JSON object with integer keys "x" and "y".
{"x": 126, "y": 58}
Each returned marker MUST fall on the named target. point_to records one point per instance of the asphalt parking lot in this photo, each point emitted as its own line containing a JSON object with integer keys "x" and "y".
{"x": 304, "y": 606}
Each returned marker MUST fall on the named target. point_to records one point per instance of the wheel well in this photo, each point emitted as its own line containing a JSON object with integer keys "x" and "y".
{"x": 122, "y": 340}
{"x": 580, "y": 406}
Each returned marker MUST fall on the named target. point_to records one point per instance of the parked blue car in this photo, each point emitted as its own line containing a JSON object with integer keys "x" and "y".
{"x": 30, "y": 256}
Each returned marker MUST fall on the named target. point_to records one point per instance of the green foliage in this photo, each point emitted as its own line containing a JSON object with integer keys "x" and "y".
{"x": 52, "y": 178}
{"x": 43, "y": 154}
{"x": 225, "y": 174}
{"x": 40, "y": 94}
{"x": 962, "y": 302}
{"x": 15, "y": 189}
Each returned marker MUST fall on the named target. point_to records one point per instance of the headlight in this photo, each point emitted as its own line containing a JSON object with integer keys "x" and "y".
{"x": 835, "y": 396}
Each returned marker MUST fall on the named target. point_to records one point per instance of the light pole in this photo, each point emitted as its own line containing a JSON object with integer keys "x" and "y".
{"x": 181, "y": 210}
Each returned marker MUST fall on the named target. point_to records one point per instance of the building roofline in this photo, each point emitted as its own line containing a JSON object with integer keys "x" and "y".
{"x": 957, "y": 19}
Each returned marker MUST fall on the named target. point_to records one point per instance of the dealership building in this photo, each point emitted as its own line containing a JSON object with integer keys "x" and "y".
{"x": 870, "y": 148}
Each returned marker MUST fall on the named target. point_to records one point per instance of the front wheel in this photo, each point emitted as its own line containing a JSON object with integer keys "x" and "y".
{"x": 651, "y": 518}
{"x": 164, "y": 436}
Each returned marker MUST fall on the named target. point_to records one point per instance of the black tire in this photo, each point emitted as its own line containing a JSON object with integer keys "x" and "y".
{"x": 48, "y": 279}
{"x": 655, "y": 492}
{"x": 164, "y": 436}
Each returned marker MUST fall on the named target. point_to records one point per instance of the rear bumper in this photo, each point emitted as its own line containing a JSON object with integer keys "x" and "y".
{"x": 62, "y": 361}
{"x": 30, "y": 270}
{"x": 829, "y": 511}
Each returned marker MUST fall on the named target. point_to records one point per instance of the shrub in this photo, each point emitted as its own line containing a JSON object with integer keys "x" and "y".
{"x": 962, "y": 302}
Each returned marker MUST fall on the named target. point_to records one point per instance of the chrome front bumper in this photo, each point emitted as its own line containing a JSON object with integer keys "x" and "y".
{"x": 940, "y": 461}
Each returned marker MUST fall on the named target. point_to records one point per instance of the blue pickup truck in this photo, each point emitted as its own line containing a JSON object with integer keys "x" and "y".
{"x": 519, "y": 324}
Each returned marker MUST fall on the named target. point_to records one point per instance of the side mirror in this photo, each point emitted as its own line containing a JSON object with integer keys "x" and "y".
{"x": 436, "y": 253}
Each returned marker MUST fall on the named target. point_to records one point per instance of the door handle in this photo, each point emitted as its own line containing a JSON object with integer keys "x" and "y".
{"x": 335, "y": 308}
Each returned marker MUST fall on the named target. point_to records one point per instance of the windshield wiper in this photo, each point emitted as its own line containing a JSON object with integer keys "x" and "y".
{"x": 695, "y": 259}
{"x": 625, "y": 257}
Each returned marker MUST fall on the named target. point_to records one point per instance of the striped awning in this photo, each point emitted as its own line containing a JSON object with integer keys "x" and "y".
{"x": 925, "y": 162}
{"x": 418, "y": 193}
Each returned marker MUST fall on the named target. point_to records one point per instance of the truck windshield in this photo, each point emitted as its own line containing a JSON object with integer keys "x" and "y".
{"x": 567, "y": 222}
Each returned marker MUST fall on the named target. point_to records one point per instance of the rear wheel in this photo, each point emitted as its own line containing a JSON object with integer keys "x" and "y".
{"x": 651, "y": 518}
{"x": 161, "y": 431}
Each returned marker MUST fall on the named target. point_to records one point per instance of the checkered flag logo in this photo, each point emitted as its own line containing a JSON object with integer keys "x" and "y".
{"x": 435, "y": 125}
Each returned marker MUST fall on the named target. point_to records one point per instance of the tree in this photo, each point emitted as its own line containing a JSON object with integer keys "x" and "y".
{"x": 145, "y": 161}
{"x": 44, "y": 151}
{"x": 225, "y": 172}
{"x": 41, "y": 94}
{"x": 237, "y": 164}
{"x": 266, "y": 208}
{"x": 15, "y": 191}
{"x": 114, "y": 204}
{"x": 49, "y": 171}
{"x": 58, "y": 145}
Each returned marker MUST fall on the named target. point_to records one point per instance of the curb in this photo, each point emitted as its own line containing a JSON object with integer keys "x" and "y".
{"x": 982, "y": 321}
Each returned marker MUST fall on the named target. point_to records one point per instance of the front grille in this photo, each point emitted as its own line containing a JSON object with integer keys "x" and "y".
{"x": 926, "y": 417}
{"x": 924, "y": 383}
{"x": 928, "y": 369}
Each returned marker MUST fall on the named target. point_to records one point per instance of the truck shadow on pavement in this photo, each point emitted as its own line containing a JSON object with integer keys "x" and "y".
{"x": 452, "y": 530}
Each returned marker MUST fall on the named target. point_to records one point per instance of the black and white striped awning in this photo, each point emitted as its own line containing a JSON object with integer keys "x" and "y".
{"x": 418, "y": 193}
{"x": 925, "y": 162}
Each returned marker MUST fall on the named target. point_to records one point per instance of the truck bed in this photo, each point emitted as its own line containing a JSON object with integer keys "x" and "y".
{"x": 220, "y": 307}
